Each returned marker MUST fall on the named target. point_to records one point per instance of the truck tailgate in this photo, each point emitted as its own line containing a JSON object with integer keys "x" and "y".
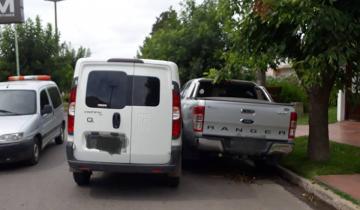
{"x": 247, "y": 119}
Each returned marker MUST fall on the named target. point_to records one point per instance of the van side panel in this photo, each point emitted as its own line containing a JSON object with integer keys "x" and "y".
{"x": 152, "y": 123}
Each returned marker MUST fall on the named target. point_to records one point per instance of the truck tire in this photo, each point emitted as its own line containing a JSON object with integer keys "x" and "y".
{"x": 82, "y": 178}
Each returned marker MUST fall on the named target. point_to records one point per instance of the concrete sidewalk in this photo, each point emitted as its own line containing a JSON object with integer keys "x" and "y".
{"x": 350, "y": 184}
{"x": 347, "y": 132}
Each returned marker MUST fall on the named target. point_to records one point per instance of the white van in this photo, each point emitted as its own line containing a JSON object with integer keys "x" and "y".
{"x": 124, "y": 116}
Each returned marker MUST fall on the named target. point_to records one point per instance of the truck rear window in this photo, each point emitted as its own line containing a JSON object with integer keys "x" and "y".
{"x": 116, "y": 90}
{"x": 228, "y": 89}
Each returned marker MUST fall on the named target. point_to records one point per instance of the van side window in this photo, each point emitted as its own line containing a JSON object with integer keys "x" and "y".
{"x": 107, "y": 90}
{"x": 55, "y": 97}
{"x": 44, "y": 100}
{"x": 146, "y": 91}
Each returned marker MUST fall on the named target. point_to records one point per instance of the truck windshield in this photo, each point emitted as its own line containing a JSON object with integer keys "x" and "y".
{"x": 233, "y": 89}
{"x": 17, "y": 102}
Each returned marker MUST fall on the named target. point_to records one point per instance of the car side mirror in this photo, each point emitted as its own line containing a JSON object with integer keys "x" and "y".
{"x": 46, "y": 110}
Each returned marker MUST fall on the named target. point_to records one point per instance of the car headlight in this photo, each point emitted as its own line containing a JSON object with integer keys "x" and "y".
{"x": 11, "y": 138}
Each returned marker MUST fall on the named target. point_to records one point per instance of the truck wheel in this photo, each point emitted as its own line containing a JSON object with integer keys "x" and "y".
{"x": 82, "y": 178}
{"x": 60, "y": 139}
{"x": 35, "y": 153}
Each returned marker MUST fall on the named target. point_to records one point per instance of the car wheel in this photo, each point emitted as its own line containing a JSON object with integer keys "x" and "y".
{"x": 35, "y": 154}
{"x": 82, "y": 178}
{"x": 60, "y": 139}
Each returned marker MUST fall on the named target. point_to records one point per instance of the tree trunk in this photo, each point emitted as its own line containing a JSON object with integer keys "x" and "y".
{"x": 319, "y": 145}
{"x": 261, "y": 77}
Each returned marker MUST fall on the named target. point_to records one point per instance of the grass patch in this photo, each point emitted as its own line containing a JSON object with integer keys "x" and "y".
{"x": 304, "y": 120}
{"x": 344, "y": 160}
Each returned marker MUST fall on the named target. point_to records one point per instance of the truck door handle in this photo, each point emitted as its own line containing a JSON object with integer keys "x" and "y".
{"x": 116, "y": 120}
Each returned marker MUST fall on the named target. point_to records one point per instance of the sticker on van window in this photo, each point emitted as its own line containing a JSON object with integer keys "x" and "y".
{"x": 102, "y": 105}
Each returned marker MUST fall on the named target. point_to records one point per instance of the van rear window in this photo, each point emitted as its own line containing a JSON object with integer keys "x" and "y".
{"x": 146, "y": 91}
{"x": 116, "y": 90}
{"x": 107, "y": 89}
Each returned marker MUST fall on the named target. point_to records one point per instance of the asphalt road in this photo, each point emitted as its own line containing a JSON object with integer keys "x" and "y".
{"x": 211, "y": 184}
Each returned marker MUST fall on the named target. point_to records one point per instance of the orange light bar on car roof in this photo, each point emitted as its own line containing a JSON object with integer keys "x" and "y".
{"x": 31, "y": 77}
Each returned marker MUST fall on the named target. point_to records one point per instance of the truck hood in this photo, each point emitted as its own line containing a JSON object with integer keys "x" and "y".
{"x": 15, "y": 124}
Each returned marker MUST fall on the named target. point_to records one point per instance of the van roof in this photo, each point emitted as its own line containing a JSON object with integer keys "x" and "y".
{"x": 84, "y": 61}
{"x": 25, "y": 85}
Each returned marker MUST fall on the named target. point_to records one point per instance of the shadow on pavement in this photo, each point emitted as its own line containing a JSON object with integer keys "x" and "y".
{"x": 224, "y": 175}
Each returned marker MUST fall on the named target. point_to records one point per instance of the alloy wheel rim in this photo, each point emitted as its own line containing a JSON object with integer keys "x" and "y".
{"x": 36, "y": 152}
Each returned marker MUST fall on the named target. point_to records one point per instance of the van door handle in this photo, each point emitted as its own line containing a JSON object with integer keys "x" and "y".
{"x": 116, "y": 120}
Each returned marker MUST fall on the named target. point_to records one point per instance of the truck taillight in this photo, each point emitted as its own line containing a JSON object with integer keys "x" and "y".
{"x": 292, "y": 127}
{"x": 176, "y": 115}
{"x": 71, "y": 113}
{"x": 198, "y": 118}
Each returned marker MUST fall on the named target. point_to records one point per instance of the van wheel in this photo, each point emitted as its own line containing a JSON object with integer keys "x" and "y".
{"x": 35, "y": 154}
{"x": 173, "y": 179}
{"x": 60, "y": 139}
{"x": 82, "y": 178}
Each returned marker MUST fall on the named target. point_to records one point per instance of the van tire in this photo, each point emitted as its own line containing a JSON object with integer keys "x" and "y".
{"x": 173, "y": 181}
{"x": 82, "y": 178}
{"x": 35, "y": 153}
{"x": 60, "y": 139}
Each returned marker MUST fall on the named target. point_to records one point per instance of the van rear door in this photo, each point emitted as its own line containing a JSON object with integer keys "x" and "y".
{"x": 152, "y": 114}
{"x": 102, "y": 115}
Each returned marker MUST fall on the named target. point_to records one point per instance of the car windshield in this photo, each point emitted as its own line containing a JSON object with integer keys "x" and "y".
{"x": 17, "y": 102}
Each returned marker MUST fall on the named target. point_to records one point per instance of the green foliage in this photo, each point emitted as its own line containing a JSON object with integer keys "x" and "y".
{"x": 341, "y": 161}
{"x": 193, "y": 39}
{"x": 290, "y": 90}
{"x": 317, "y": 37}
{"x": 40, "y": 53}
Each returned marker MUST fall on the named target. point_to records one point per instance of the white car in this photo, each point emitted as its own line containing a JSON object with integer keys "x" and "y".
{"x": 124, "y": 116}
{"x": 31, "y": 116}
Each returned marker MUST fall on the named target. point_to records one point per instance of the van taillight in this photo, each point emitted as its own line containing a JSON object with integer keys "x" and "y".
{"x": 198, "y": 118}
{"x": 71, "y": 113}
{"x": 176, "y": 115}
{"x": 292, "y": 127}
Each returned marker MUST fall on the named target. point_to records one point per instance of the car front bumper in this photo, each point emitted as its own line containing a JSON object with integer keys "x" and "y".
{"x": 77, "y": 165}
{"x": 14, "y": 152}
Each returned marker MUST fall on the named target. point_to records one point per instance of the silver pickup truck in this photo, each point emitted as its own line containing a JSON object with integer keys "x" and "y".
{"x": 235, "y": 118}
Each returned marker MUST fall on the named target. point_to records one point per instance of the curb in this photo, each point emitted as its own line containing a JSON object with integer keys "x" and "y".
{"x": 322, "y": 193}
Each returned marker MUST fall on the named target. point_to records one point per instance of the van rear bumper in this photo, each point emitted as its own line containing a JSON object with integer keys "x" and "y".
{"x": 77, "y": 165}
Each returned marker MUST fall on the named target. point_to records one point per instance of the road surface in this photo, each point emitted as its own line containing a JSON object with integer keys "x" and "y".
{"x": 212, "y": 184}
